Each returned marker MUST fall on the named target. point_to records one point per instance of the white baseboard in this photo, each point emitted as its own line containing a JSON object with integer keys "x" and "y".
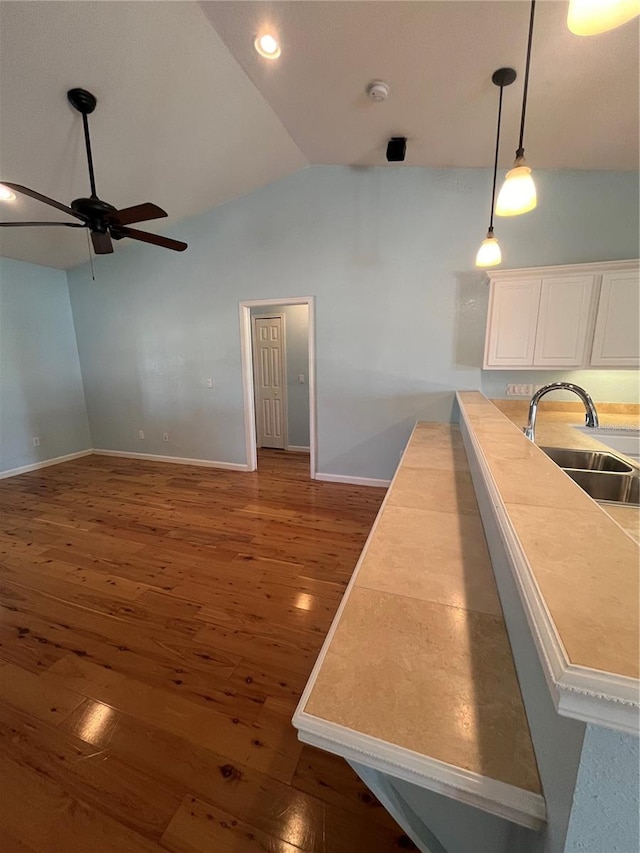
{"x": 176, "y": 460}
{"x": 298, "y": 448}
{"x": 46, "y": 463}
{"x": 354, "y": 481}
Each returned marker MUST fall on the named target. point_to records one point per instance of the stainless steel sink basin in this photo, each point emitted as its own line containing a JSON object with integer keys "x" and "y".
{"x": 608, "y": 485}
{"x": 586, "y": 460}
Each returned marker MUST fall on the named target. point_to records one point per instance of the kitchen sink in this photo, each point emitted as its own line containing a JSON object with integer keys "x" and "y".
{"x": 586, "y": 460}
{"x": 608, "y": 485}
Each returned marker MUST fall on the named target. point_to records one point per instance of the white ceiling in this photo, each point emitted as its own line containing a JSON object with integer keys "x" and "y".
{"x": 190, "y": 116}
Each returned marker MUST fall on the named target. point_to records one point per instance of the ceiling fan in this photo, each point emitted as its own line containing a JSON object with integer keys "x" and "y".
{"x": 103, "y": 220}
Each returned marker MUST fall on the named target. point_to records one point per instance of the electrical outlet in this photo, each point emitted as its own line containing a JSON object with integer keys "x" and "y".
{"x": 519, "y": 390}
{"x": 140, "y": 433}
{"x": 209, "y": 383}
{"x": 301, "y": 379}
{"x": 36, "y": 441}
{"x": 165, "y": 436}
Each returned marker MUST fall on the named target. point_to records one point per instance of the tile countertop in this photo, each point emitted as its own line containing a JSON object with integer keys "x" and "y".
{"x": 416, "y": 676}
{"x": 556, "y": 427}
{"x": 577, "y": 569}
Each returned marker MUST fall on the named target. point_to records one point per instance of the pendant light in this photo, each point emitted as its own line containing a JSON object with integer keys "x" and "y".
{"x": 518, "y": 193}
{"x": 489, "y": 254}
{"x": 591, "y": 17}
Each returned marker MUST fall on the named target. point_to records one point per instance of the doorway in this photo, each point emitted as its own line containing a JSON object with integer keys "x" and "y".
{"x": 278, "y": 376}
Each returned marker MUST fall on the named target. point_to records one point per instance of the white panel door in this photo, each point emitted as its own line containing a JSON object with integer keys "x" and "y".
{"x": 513, "y": 318}
{"x": 616, "y": 342}
{"x": 564, "y": 321}
{"x": 269, "y": 382}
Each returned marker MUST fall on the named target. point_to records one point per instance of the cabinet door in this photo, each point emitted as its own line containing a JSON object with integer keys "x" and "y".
{"x": 616, "y": 341}
{"x": 564, "y": 321}
{"x": 513, "y": 316}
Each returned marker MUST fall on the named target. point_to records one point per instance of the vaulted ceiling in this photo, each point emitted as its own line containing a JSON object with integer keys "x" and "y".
{"x": 189, "y": 115}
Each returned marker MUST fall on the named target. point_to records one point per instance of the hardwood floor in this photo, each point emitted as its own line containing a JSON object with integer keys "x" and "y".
{"x": 158, "y": 624}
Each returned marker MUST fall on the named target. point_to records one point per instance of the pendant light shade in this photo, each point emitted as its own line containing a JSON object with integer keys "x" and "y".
{"x": 489, "y": 254}
{"x": 518, "y": 194}
{"x": 591, "y": 17}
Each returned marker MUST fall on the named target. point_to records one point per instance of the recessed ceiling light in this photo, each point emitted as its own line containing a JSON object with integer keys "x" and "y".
{"x": 6, "y": 194}
{"x": 267, "y": 46}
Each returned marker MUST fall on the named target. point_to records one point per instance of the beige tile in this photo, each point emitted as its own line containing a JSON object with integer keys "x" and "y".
{"x": 429, "y": 488}
{"x": 535, "y": 480}
{"x": 628, "y": 517}
{"x": 443, "y": 455}
{"x": 435, "y": 556}
{"x": 428, "y": 431}
{"x": 434, "y": 679}
{"x": 587, "y": 571}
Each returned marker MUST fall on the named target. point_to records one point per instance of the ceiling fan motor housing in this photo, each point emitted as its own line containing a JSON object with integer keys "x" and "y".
{"x": 95, "y": 210}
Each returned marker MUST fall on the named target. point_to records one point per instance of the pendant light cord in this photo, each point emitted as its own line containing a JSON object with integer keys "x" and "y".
{"x": 520, "y": 151}
{"x": 495, "y": 162}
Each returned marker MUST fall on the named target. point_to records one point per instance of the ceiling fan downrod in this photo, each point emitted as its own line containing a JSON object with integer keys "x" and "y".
{"x": 85, "y": 103}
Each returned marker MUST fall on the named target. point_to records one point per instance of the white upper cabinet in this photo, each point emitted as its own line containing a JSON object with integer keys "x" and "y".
{"x": 616, "y": 342}
{"x": 513, "y": 309}
{"x": 564, "y": 317}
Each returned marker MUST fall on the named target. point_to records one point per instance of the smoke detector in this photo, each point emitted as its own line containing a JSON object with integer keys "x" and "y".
{"x": 378, "y": 91}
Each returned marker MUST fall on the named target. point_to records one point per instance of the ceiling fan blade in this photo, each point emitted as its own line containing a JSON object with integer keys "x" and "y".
{"x": 44, "y": 199}
{"x": 156, "y": 239}
{"x": 102, "y": 244}
{"x": 137, "y": 213}
{"x": 22, "y": 224}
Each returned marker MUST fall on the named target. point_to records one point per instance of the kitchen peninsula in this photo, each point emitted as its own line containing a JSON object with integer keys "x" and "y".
{"x": 483, "y": 720}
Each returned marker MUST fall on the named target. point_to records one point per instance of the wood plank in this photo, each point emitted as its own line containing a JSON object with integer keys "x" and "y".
{"x": 44, "y": 700}
{"x": 268, "y": 744}
{"x": 294, "y": 651}
{"x": 256, "y": 798}
{"x": 127, "y": 794}
{"x": 41, "y": 814}
{"x": 329, "y": 777}
{"x": 199, "y": 827}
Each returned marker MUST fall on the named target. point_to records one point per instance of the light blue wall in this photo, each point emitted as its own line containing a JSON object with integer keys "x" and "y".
{"x": 40, "y": 385}
{"x": 297, "y": 346}
{"x": 606, "y": 799}
{"x": 400, "y": 311}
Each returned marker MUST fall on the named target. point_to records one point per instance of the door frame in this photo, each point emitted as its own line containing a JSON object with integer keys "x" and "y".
{"x": 272, "y": 315}
{"x": 246, "y": 354}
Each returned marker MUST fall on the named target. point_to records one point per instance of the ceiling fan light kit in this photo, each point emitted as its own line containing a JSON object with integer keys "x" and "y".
{"x": 592, "y": 17}
{"x": 103, "y": 220}
{"x": 489, "y": 253}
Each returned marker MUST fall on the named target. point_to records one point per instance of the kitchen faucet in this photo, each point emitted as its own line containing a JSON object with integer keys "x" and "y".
{"x": 591, "y": 417}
